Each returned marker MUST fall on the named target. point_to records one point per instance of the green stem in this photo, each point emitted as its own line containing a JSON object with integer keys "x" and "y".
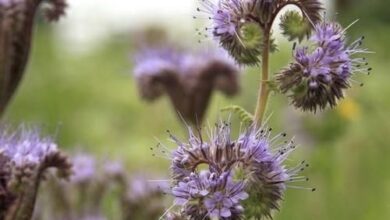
{"x": 263, "y": 89}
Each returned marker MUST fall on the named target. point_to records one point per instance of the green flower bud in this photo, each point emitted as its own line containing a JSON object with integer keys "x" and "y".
{"x": 295, "y": 26}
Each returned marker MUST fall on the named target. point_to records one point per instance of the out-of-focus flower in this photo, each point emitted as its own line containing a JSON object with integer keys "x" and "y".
{"x": 84, "y": 168}
{"x": 143, "y": 199}
{"x": 253, "y": 164}
{"x": 318, "y": 77}
{"x": 240, "y": 25}
{"x": 94, "y": 180}
{"x": 25, "y": 156}
{"x": 16, "y": 25}
{"x": 187, "y": 78}
{"x": 349, "y": 109}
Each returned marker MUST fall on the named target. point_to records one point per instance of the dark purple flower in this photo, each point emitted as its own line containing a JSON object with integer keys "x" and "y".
{"x": 318, "y": 77}
{"x": 255, "y": 158}
{"x": 187, "y": 78}
{"x": 16, "y": 25}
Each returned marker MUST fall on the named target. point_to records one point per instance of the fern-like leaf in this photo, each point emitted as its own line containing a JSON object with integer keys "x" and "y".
{"x": 244, "y": 116}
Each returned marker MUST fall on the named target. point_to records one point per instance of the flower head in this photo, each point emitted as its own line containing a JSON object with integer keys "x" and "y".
{"x": 143, "y": 198}
{"x": 209, "y": 195}
{"x": 187, "y": 78}
{"x": 319, "y": 76}
{"x": 206, "y": 173}
{"x": 84, "y": 168}
{"x": 25, "y": 156}
{"x": 27, "y": 149}
{"x": 240, "y": 25}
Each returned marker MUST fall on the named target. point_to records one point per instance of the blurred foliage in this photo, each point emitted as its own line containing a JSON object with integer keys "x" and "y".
{"x": 92, "y": 101}
{"x": 367, "y": 11}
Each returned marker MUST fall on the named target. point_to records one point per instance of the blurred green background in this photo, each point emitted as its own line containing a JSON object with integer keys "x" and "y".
{"x": 92, "y": 101}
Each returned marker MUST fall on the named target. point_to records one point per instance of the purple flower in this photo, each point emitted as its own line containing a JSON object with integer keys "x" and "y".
{"x": 84, "y": 168}
{"x": 188, "y": 78}
{"x": 114, "y": 169}
{"x": 26, "y": 147}
{"x": 143, "y": 198}
{"x": 209, "y": 195}
{"x": 198, "y": 165}
{"x": 318, "y": 77}
{"x": 239, "y": 25}
{"x": 4, "y": 3}
{"x": 25, "y": 156}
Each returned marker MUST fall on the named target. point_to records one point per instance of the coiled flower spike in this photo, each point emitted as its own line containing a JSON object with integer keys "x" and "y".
{"x": 321, "y": 73}
{"x": 241, "y": 26}
{"x": 253, "y": 165}
{"x": 25, "y": 156}
{"x": 189, "y": 79}
{"x": 16, "y": 27}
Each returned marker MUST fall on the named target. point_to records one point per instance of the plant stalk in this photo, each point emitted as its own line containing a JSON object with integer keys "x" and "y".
{"x": 264, "y": 91}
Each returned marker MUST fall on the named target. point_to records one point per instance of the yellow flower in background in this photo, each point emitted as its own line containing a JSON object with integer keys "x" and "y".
{"x": 349, "y": 109}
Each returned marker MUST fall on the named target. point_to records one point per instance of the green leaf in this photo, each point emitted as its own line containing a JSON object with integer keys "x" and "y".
{"x": 244, "y": 116}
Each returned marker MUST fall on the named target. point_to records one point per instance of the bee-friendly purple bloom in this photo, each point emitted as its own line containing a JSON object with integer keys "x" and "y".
{"x": 25, "y": 156}
{"x": 188, "y": 77}
{"x": 209, "y": 195}
{"x": 322, "y": 72}
{"x": 253, "y": 164}
{"x": 84, "y": 169}
{"x": 239, "y": 25}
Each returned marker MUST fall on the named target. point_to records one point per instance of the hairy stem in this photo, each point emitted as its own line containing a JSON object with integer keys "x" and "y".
{"x": 263, "y": 95}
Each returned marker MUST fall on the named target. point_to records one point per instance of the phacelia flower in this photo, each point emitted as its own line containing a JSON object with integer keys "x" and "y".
{"x": 16, "y": 25}
{"x": 206, "y": 173}
{"x": 25, "y": 156}
{"x": 209, "y": 195}
{"x": 319, "y": 74}
{"x": 81, "y": 197}
{"x": 240, "y": 25}
{"x": 187, "y": 78}
{"x": 84, "y": 168}
{"x": 143, "y": 199}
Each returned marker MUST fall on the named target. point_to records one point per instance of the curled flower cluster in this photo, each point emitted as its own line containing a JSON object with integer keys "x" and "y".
{"x": 319, "y": 75}
{"x": 25, "y": 156}
{"x": 187, "y": 78}
{"x": 16, "y": 25}
{"x": 216, "y": 178}
{"x": 240, "y": 25}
